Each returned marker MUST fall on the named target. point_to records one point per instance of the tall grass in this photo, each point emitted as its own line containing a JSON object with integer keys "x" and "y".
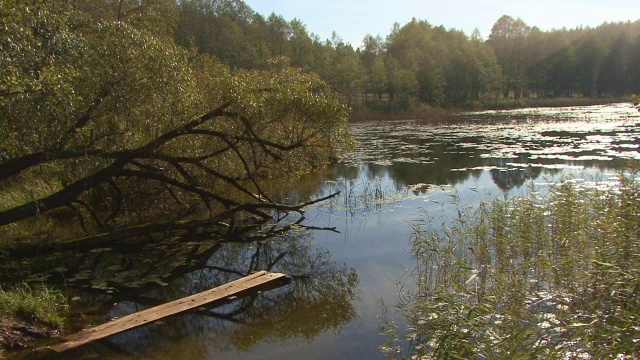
{"x": 41, "y": 304}
{"x": 538, "y": 276}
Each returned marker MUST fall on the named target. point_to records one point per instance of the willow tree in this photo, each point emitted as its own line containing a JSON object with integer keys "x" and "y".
{"x": 102, "y": 119}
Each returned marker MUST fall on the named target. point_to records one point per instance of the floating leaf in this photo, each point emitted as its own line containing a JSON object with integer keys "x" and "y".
{"x": 99, "y": 250}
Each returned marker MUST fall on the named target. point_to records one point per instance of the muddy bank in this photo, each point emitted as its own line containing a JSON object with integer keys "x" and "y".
{"x": 17, "y": 335}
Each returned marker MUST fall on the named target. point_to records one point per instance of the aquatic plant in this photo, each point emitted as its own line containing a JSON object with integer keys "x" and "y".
{"x": 554, "y": 275}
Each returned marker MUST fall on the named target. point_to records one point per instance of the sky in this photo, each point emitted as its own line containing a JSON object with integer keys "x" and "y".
{"x": 354, "y": 19}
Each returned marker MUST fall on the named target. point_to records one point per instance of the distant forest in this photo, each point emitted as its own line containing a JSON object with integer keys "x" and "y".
{"x": 416, "y": 63}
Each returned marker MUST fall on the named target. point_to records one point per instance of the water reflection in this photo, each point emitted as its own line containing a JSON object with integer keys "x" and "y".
{"x": 398, "y": 171}
{"x": 318, "y": 300}
{"x": 110, "y": 282}
{"x": 422, "y": 168}
{"x": 516, "y": 145}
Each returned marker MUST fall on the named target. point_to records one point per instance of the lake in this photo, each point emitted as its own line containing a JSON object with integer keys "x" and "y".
{"x": 348, "y": 279}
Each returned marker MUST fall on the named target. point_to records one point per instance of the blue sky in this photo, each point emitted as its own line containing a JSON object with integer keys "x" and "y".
{"x": 353, "y": 19}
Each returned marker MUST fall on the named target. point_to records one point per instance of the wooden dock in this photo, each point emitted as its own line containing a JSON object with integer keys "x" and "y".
{"x": 234, "y": 288}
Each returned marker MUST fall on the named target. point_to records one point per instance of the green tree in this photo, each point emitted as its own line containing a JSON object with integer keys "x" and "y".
{"x": 373, "y": 65}
{"x": 378, "y": 77}
{"x": 402, "y": 82}
{"x": 508, "y": 41}
{"x": 487, "y": 75}
{"x": 613, "y": 75}
{"x": 590, "y": 55}
{"x": 301, "y": 45}
{"x": 537, "y": 53}
{"x": 561, "y": 71}
{"x": 223, "y": 28}
{"x": 113, "y": 119}
{"x": 414, "y": 47}
{"x": 372, "y": 47}
{"x": 278, "y": 34}
{"x": 342, "y": 68}
{"x": 160, "y": 16}
{"x": 634, "y": 66}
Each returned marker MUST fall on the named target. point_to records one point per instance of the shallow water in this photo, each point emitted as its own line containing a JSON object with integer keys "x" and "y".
{"x": 398, "y": 172}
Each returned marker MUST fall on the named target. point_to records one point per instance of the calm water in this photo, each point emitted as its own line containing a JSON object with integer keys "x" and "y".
{"x": 348, "y": 280}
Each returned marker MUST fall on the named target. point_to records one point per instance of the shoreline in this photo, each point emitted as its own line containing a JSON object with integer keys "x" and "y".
{"x": 439, "y": 114}
{"x": 19, "y": 337}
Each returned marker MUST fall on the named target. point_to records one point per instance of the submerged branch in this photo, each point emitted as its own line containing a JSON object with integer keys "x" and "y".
{"x": 201, "y": 228}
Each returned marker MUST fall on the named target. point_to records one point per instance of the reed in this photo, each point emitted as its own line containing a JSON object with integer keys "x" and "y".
{"x": 536, "y": 276}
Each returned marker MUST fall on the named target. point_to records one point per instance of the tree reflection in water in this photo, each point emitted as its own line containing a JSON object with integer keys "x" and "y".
{"x": 116, "y": 282}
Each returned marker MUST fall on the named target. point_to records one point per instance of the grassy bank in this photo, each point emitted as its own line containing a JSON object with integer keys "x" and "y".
{"x": 549, "y": 102}
{"x": 441, "y": 115}
{"x": 541, "y": 276}
{"x": 40, "y": 305}
{"x": 28, "y": 315}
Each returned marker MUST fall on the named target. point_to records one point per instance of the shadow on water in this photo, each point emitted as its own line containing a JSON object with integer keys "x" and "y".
{"x": 107, "y": 283}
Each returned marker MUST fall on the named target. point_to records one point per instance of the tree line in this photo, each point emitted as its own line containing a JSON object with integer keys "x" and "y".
{"x": 419, "y": 63}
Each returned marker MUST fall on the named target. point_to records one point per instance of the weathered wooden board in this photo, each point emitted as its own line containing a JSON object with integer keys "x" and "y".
{"x": 150, "y": 315}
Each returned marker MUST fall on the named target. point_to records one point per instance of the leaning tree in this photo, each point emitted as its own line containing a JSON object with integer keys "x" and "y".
{"x": 115, "y": 126}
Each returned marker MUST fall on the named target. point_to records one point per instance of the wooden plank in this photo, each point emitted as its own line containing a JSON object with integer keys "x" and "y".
{"x": 150, "y": 315}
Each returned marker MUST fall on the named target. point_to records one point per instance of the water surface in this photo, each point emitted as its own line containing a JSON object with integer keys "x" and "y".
{"x": 348, "y": 280}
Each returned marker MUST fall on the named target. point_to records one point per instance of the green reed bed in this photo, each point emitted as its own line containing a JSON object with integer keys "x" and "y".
{"x": 537, "y": 276}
